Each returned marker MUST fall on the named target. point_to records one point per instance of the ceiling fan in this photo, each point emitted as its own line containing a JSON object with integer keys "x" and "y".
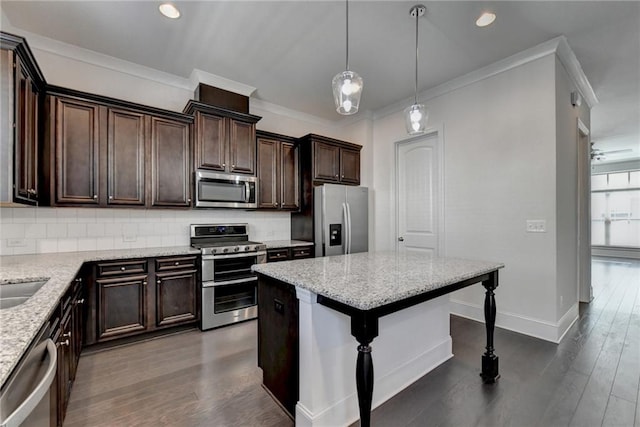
{"x": 598, "y": 154}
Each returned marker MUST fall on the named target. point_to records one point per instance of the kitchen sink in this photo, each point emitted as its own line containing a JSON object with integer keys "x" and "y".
{"x": 13, "y": 294}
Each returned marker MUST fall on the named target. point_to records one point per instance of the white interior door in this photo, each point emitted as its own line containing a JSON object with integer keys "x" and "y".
{"x": 419, "y": 195}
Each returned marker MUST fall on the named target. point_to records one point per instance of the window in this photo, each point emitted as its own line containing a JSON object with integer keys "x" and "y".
{"x": 615, "y": 209}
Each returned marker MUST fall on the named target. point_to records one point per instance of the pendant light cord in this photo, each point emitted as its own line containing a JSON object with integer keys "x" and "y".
{"x": 416, "y": 83}
{"x": 347, "y": 2}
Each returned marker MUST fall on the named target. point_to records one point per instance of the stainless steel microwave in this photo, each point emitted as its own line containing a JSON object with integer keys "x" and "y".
{"x": 220, "y": 190}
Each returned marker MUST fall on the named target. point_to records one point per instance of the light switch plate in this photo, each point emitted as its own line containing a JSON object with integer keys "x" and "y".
{"x": 536, "y": 226}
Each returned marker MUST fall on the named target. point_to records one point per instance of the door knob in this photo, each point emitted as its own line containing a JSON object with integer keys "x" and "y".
{"x": 400, "y": 239}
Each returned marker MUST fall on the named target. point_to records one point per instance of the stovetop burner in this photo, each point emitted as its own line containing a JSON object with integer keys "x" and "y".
{"x": 214, "y": 239}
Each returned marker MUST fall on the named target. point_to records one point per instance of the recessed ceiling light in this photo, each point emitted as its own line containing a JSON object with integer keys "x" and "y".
{"x": 169, "y": 10}
{"x": 485, "y": 19}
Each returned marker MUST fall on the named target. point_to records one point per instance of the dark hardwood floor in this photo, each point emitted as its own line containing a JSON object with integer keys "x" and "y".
{"x": 210, "y": 379}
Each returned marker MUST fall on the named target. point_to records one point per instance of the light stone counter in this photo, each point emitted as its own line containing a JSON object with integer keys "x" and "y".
{"x": 372, "y": 279}
{"x": 278, "y": 244}
{"x": 19, "y": 325}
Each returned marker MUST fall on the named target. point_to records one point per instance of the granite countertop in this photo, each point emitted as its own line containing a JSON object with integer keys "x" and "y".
{"x": 372, "y": 279}
{"x": 277, "y": 244}
{"x": 20, "y": 324}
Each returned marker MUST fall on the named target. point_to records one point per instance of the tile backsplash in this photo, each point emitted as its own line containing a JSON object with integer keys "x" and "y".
{"x": 33, "y": 230}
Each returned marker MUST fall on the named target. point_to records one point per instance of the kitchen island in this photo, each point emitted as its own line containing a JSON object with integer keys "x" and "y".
{"x": 310, "y": 311}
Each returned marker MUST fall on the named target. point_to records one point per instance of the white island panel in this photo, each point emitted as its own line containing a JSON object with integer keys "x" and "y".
{"x": 411, "y": 343}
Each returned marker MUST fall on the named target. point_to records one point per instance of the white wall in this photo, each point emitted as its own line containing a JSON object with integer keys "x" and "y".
{"x": 499, "y": 170}
{"x": 567, "y": 192}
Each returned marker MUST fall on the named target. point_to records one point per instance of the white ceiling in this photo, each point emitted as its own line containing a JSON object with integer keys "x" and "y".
{"x": 290, "y": 50}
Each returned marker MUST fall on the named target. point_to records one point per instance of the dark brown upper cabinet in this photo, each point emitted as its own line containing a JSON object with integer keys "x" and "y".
{"x": 278, "y": 172}
{"x": 331, "y": 160}
{"x": 224, "y": 140}
{"x": 76, "y": 132}
{"x": 170, "y": 163}
{"x": 126, "y": 136}
{"x": 104, "y": 152}
{"x": 24, "y": 87}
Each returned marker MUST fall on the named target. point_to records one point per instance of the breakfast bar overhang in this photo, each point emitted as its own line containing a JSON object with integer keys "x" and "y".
{"x": 399, "y": 297}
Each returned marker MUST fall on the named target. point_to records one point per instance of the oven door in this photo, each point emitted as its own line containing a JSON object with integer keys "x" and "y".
{"x": 227, "y": 269}
{"x": 231, "y": 303}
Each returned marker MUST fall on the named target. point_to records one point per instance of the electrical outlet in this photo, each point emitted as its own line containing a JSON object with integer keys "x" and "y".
{"x": 129, "y": 238}
{"x": 536, "y": 226}
{"x": 16, "y": 243}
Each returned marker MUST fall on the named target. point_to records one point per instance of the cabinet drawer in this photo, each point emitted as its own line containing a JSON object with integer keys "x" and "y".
{"x": 109, "y": 269}
{"x": 301, "y": 252}
{"x": 176, "y": 263}
{"x": 274, "y": 255}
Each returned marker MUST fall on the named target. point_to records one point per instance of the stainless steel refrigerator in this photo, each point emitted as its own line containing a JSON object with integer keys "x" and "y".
{"x": 340, "y": 219}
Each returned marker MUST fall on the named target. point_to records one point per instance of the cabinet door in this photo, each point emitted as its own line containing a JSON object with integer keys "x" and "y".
{"x": 76, "y": 137}
{"x": 349, "y": 166}
{"x": 26, "y": 134}
{"x": 268, "y": 174}
{"x": 63, "y": 374}
{"x": 176, "y": 297}
{"x": 325, "y": 162}
{"x": 210, "y": 142}
{"x": 242, "y": 147}
{"x": 289, "y": 177}
{"x": 77, "y": 329}
{"x": 171, "y": 173}
{"x": 122, "y": 306}
{"x": 125, "y": 158}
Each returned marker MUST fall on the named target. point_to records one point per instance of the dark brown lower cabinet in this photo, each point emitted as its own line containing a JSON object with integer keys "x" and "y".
{"x": 133, "y": 297}
{"x": 278, "y": 340}
{"x": 122, "y": 306}
{"x": 66, "y": 332}
{"x": 176, "y": 299}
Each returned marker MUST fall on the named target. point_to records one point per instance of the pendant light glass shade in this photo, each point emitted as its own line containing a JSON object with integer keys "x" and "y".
{"x": 416, "y": 118}
{"x": 416, "y": 115}
{"x": 347, "y": 88}
{"x": 347, "y": 85}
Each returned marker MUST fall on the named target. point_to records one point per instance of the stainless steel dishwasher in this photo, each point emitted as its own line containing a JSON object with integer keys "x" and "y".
{"x": 24, "y": 399}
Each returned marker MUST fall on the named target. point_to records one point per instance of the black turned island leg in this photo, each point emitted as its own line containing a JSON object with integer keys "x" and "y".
{"x": 490, "y": 372}
{"x": 364, "y": 328}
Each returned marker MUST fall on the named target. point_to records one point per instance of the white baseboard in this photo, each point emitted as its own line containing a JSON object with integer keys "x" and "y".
{"x": 384, "y": 388}
{"x": 537, "y": 328}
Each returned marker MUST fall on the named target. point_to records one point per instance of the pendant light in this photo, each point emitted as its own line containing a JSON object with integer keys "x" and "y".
{"x": 417, "y": 114}
{"x": 347, "y": 85}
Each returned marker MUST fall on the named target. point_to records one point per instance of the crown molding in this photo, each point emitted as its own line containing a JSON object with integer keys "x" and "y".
{"x": 288, "y": 112}
{"x": 558, "y": 46}
{"x": 573, "y": 67}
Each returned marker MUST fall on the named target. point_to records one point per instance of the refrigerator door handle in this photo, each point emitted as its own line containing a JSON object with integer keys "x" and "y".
{"x": 345, "y": 231}
{"x": 348, "y": 228}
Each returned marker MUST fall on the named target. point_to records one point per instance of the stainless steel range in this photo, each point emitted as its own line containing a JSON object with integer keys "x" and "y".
{"x": 229, "y": 287}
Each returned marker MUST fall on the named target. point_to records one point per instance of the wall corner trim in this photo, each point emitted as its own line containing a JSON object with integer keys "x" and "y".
{"x": 573, "y": 67}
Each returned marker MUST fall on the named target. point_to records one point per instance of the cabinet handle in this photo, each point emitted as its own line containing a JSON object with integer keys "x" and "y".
{"x": 95, "y": 196}
{"x": 275, "y": 204}
{"x": 80, "y": 301}
{"x": 144, "y": 283}
{"x": 67, "y": 335}
{"x": 31, "y": 191}
{"x": 78, "y": 279}
{"x": 224, "y": 165}
{"x": 343, "y": 176}
{"x": 177, "y": 263}
{"x": 233, "y": 166}
{"x": 110, "y": 197}
{"x": 158, "y": 281}
{"x": 123, "y": 268}
{"x": 336, "y": 175}
{"x": 189, "y": 200}
{"x": 61, "y": 343}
